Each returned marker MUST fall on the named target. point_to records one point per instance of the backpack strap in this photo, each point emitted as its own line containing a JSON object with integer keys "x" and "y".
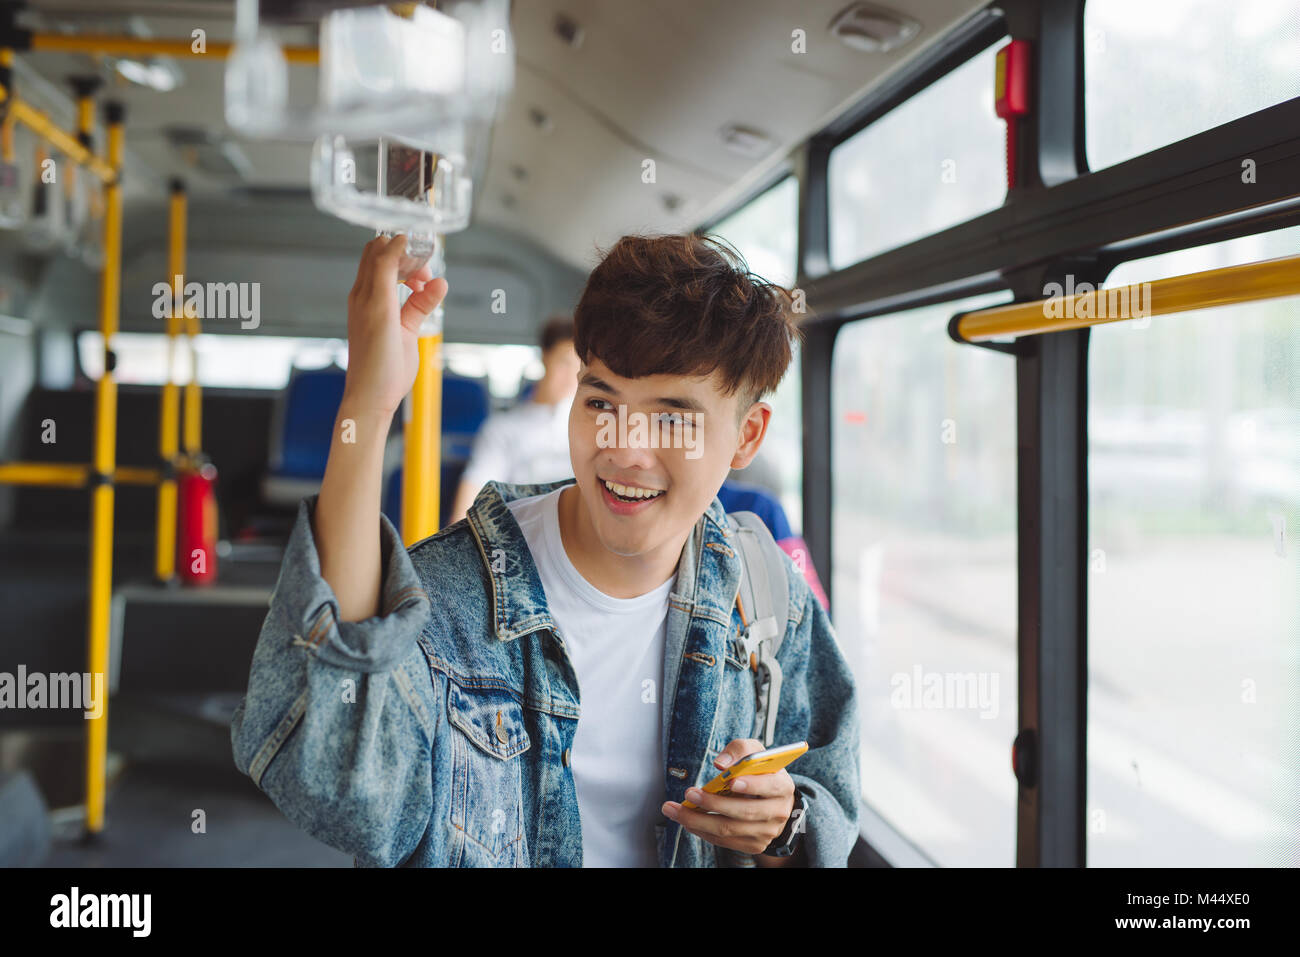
{"x": 763, "y": 599}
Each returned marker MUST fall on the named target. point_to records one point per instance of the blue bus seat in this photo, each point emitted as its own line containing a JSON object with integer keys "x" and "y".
{"x": 466, "y": 405}
{"x": 304, "y": 426}
{"x": 301, "y": 432}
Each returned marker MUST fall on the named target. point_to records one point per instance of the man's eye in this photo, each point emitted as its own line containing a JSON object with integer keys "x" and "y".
{"x": 673, "y": 419}
{"x": 590, "y": 401}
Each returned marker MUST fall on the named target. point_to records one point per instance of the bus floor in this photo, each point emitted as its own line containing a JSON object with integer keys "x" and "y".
{"x": 179, "y": 800}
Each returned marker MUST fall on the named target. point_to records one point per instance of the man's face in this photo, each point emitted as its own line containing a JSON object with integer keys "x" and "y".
{"x": 673, "y": 435}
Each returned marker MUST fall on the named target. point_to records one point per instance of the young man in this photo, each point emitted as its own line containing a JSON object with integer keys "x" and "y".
{"x": 530, "y": 442}
{"x": 545, "y": 683}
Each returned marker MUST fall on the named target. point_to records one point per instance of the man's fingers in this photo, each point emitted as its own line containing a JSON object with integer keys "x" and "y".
{"x": 393, "y": 246}
{"x": 750, "y": 837}
{"x": 384, "y": 269}
{"x": 736, "y": 749}
{"x": 773, "y": 784}
{"x": 740, "y": 808}
{"x": 366, "y": 267}
{"x": 377, "y": 271}
{"x": 423, "y": 302}
{"x": 420, "y": 277}
{"x": 362, "y": 282}
{"x": 698, "y": 821}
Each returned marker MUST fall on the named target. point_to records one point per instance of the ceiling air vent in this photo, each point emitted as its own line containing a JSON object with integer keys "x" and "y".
{"x": 568, "y": 30}
{"x": 863, "y": 26}
{"x": 746, "y": 140}
{"x": 539, "y": 118}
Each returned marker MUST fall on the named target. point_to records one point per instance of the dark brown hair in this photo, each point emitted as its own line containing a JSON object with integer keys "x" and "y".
{"x": 686, "y": 305}
{"x": 556, "y": 330}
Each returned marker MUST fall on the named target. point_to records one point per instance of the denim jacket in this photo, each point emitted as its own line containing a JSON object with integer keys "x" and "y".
{"x": 438, "y": 732}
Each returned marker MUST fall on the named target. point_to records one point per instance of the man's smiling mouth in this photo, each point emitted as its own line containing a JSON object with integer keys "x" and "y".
{"x": 631, "y": 493}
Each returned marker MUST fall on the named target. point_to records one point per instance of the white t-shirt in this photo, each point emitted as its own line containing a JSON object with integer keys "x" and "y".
{"x": 616, "y": 646}
{"x": 525, "y": 445}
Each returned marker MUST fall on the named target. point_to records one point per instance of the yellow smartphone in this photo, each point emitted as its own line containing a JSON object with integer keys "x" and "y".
{"x": 760, "y": 762}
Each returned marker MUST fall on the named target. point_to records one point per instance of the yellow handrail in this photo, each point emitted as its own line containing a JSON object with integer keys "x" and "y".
{"x": 58, "y": 474}
{"x": 60, "y": 139}
{"x": 136, "y": 475}
{"x": 71, "y": 474}
{"x": 1231, "y": 285}
{"x": 148, "y": 46}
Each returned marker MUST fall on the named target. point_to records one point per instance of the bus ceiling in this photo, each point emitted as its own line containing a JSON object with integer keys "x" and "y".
{"x": 626, "y": 119}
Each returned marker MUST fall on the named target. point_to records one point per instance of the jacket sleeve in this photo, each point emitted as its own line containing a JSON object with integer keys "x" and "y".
{"x": 819, "y": 705}
{"x": 338, "y": 721}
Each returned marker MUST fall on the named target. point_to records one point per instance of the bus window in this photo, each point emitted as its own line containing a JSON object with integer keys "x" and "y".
{"x": 1194, "y": 453}
{"x": 765, "y": 232}
{"x": 935, "y": 161}
{"x": 509, "y": 370}
{"x": 1162, "y": 70}
{"x": 923, "y": 446}
{"x": 224, "y": 361}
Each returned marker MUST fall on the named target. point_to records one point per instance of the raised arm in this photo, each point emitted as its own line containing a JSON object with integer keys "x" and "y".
{"x": 383, "y": 358}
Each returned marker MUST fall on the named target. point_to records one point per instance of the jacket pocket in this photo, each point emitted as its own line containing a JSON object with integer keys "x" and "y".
{"x": 487, "y": 775}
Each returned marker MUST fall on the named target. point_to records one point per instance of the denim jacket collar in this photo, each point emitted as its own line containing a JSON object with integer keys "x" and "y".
{"x": 518, "y": 600}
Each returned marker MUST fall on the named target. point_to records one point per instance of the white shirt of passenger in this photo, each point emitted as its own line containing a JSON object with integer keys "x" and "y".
{"x": 525, "y": 445}
{"x": 616, "y": 646}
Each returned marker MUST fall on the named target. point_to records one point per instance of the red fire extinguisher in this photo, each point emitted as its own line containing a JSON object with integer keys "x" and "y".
{"x": 196, "y": 515}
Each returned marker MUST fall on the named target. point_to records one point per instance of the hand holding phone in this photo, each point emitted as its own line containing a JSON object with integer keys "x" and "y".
{"x": 760, "y": 762}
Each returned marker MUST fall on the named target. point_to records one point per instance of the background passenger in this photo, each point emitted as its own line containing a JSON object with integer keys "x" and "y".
{"x": 529, "y": 443}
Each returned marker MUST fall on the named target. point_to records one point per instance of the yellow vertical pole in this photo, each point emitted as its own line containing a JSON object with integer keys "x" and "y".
{"x": 193, "y": 393}
{"x": 105, "y": 461}
{"x": 421, "y": 468}
{"x": 193, "y": 398}
{"x": 85, "y": 109}
{"x": 83, "y": 89}
{"x": 170, "y": 412}
{"x": 7, "y": 138}
{"x": 7, "y": 127}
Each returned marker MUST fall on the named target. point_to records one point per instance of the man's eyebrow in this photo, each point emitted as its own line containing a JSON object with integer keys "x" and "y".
{"x": 596, "y": 383}
{"x": 686, "y": 404}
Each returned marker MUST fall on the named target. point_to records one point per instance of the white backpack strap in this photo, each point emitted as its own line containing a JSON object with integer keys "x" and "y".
{"x": 764, "y": 599}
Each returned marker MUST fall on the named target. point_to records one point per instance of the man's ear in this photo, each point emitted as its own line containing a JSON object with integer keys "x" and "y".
{"x": 753, "y": 429}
